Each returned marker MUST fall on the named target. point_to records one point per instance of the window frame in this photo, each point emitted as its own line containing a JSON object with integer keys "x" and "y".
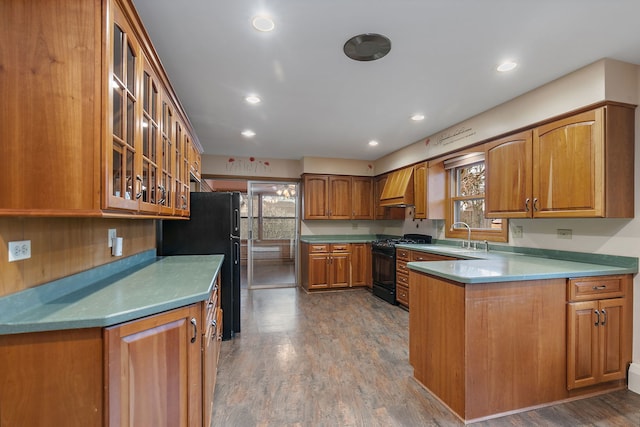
{"x": 498, "y": 235}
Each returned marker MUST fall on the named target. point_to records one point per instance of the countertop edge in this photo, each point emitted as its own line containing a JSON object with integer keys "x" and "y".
{"x": 10, "y": 326}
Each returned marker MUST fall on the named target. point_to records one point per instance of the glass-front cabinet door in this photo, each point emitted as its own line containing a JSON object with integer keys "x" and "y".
{"x": 124, "y": 184}
{"x": 167, "y": 146}
{"x": 150, "y": 135}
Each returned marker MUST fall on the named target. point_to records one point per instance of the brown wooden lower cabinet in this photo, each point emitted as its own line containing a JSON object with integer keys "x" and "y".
{"x": 599, "y": 316}
{"x": 155, "y": 371}
{"x": 335, "y": 265}
{"x": 494, "y": 348}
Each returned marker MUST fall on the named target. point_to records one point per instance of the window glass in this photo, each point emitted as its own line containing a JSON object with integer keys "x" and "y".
{"x": 466, "y": 204}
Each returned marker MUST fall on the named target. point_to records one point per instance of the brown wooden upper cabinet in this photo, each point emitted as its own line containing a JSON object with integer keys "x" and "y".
{"x": 578, "y": 166}
{"x": 84, "y": 140}
{"x": 428, "y": 190}
{"x": 337, "y": 197}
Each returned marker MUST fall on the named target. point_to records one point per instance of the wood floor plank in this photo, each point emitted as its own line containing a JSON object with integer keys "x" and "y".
{"x": 341, "y": 359}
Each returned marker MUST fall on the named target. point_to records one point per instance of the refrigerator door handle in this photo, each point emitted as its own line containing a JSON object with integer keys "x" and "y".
{"x": 236, "y": 245}
{"x": 236, "y": 219}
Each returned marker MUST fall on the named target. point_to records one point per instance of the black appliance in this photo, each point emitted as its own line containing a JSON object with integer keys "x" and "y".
{"x": 383, "y": 264}
{"x": 214, "y": 228}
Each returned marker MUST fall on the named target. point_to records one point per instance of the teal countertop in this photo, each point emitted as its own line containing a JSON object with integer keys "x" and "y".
{"x": 342, "y": 238}
{"x": 478, "y": 266}
{"x": 153, "y": 285}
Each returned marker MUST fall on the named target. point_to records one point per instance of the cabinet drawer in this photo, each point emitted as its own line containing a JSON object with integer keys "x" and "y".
{"x": 402, "y": 254}
{"x": 423, "y": 256}
{"x": 589, "y": 288}
{"x": 402, "y": 279}
{"x": 343, "y": 247}
{"x": 401, "y": 267}
{"x": 402, "y": 295}
{"x": 317, "y": 248}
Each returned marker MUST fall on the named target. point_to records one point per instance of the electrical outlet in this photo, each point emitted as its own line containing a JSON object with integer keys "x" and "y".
{"x": 516, "y": 232}
{"x": 564, "y": 233}
{"x": 19, "y": 250}
{"x": 112, "y": 235}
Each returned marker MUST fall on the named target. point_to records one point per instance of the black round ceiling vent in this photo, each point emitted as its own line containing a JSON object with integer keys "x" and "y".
{"x": 367, "y": 47}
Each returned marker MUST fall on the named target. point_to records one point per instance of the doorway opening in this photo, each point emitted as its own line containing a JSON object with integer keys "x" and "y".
{"x": 269, "y": 214}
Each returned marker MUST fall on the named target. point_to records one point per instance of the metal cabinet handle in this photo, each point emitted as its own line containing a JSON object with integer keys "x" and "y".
{"x": 604, "y": 317}
{"x": 139, "y": 184}
{"x": 597, "y": 318}
{"x": 164, "y": 194}
{"x": 194, "y": 323}
{"x": 599, "y": 288}
{"x": 184, "y": 201}
{"x": 526, "y": 204}
{"x": 535, "y": 204}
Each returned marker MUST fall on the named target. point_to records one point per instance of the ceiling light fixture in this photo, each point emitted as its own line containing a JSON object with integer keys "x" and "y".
{"x": 263, "y": 23}
{"x": 248, "y": 133}
{"x": 373, "y": 143}
{"x": 506, "y": 66}
{"x": 367, "y": 47}
{"x": 417, "y": 117}
{"x": 253, "y": 99}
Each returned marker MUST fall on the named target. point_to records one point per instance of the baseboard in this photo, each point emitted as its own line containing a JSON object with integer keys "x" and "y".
{"x": 634, "y": 377}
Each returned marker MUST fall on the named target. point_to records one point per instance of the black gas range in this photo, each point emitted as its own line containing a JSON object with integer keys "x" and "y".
{"x": 383, "y": 256}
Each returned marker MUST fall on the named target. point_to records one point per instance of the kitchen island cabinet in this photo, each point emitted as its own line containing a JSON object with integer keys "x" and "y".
{"x": 134, "y": 349}
{"x": 489, "y": 347}
{"x": 599, "y": 317}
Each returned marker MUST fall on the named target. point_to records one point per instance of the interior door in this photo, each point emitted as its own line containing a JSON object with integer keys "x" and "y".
{"x": 272, "y": 243}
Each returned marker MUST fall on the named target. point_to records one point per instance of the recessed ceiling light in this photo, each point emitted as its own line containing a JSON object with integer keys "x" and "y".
{"x": 248, "y": 133}
{"x": 373, "y": 143}
{"x": 253, "y": 99}
{"x": 506, "y": 66}
{"x": 263, "y": 23}
{"x": 417, "y": 117}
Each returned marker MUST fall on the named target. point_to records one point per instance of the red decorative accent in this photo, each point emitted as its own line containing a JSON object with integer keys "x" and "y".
{"x": 266, "y": 163}
{"x": 251, "y": 159}
{"x": 231, "y": 159}
{"x": 426, "y": 141}
{"x": 370, "y": 166}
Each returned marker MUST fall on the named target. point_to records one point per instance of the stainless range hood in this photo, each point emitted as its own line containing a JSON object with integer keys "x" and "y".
{"x": 398, "y": 190}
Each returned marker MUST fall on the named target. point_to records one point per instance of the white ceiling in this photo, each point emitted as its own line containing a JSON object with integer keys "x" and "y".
{"x": 317, "y": 102}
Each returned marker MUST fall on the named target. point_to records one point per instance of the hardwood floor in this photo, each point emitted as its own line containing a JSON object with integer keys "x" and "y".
{"x": 341, "y": 359}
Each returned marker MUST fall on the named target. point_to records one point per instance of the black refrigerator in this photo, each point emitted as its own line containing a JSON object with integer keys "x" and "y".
{"x": 214, "y": 228}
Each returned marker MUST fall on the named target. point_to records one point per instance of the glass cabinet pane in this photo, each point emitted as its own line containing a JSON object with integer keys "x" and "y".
{"x": 118, "y": 44}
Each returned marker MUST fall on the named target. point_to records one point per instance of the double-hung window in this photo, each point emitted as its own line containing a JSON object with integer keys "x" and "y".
{"x": 465, "y": 201}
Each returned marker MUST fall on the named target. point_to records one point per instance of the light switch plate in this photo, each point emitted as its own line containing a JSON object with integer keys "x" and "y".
{"x": 19, "y": 250}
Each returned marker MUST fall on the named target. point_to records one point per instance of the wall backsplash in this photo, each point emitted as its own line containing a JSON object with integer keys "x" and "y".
{"x": 64, "y": 246}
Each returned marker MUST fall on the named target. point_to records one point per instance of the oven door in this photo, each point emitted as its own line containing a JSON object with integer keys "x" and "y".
{"x": 384, "y": 275}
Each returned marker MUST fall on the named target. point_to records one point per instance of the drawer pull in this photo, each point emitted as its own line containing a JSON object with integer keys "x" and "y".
{"x": 604, "y": 317}
{"x": 597, "y": 318}
{"x": 194, "y": 323}
{"x": 599, "y": 288}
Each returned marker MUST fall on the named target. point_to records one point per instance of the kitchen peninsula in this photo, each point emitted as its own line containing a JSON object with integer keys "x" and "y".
{"x": 495, "y": 333}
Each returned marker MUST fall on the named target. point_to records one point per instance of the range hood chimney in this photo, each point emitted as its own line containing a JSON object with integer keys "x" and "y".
{"x": 398, "y": 190}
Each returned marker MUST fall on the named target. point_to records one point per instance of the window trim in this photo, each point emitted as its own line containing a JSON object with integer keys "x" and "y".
{"x": 501, "y": 235}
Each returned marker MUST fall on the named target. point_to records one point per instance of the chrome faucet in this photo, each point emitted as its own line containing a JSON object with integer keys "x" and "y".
{"x": 468, "y": 232}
